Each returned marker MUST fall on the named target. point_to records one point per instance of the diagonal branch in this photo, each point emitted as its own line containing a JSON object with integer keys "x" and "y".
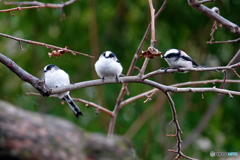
{"x": 213, "y": 15}
{"x": 44, "y": 44}
{"x": 231, "y": 62}
{"x": 25, "y": 76}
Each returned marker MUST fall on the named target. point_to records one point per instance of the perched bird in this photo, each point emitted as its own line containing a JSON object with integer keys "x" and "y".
{"x": 55, "y": 77}
{"x": 108, "y": 66}
{"x": 179, "y": 59}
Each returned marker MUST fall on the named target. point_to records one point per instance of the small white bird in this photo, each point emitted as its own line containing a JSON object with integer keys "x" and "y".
{"x": 108, "y": 66}
{"x": 55, "y": 77}
{"x": 179, "y": 59}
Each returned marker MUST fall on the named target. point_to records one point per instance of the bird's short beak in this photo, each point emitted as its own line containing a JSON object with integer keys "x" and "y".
{"x": 162, "y": 56}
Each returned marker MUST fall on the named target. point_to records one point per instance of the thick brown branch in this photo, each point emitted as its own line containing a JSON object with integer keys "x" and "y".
{"x": 44, "y": 44}
{"x": 25, "y": 76}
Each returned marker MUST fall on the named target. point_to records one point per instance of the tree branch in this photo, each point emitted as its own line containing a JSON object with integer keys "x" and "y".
{"x": 45, "y": 45}
{"x": 136, "y": 79}
{"x": 231, "y": 62}
{"x": 49, "y": 5}
{"x": 130, "y": 70}
{"x": 161, "y": 71}
{"x": 80, "y": 100}
{"x": 178, "y": 131}
{"x": 213, "y": 15}
{"x": 224, "y": 42}
{"x": 19, "y": 9}
{"x": 25, "y": 76}
{"x": 37, "y": 4}
{"x": 205, "y": 1}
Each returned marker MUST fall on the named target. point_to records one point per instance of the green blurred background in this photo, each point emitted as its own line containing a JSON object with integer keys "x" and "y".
{"x": 93, "y": 27}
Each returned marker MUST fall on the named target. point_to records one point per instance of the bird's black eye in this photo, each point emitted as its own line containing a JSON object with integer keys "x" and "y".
{"x": 49, "y": 67}
{"x": 111, "y": 55}
{"x": 103, "y": 54}
{"x": 168, "y": 56}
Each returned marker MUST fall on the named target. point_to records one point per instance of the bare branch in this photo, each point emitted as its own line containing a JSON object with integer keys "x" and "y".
{"x": 130, "y": 70}
{"x": 19, "y": 8}
{"x": 235, "y": 73}
{"x": 178, "y": 130}
{"x": 160, "y": 71}
{"x": 149, "y": 97}
{"x": 213, "y": 15}
{"x": 49, "y": 5}
{"x": 136, "y": 79}
{"x": 79, "y": 100}
{"x": 224, "y": 42}
{"x": 36, "y": 4}
{"x": 231, "y": 62}
{"x": 205, "y": 1}
{"x": 145, "y": 94}
{"x": 45, "y": 45}
{"x": 25, "y": 76}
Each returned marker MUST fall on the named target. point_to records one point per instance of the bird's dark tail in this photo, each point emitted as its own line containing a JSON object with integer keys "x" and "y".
{"x": 73, "y": 106}
{"x": 201, "y": 66}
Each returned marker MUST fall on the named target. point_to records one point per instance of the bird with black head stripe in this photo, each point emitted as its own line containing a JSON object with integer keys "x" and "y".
{"x": 177, "y": 59}
{"x": 108, "y": 66}
{"x": 55, "y": 77}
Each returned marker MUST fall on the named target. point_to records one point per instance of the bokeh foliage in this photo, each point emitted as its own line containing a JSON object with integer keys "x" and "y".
{"x": 92, "y": 27}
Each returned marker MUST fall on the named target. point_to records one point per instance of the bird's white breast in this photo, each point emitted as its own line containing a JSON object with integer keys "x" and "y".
{"x": 57, "y": 78}
{"x": 107, "y": 67}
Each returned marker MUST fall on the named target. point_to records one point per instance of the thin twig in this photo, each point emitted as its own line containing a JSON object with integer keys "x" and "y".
{"x": 224, "y": 42}
{"x": 79, "y": 100}
{"x": 36, "y": 4}
{"x": 205, "y": 1}
{"x": 49, "y": 5}
{"x": 235, "y": 73}
{"x": 231, "y": 62}
{"x": 153, "y": 40}
{"x": 44, "y": 44}
{"x": 149, "y": 97}
{"x": 19, "y": 8}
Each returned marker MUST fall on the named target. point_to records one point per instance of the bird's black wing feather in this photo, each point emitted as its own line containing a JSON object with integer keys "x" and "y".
{"x": 189, "y": 59}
